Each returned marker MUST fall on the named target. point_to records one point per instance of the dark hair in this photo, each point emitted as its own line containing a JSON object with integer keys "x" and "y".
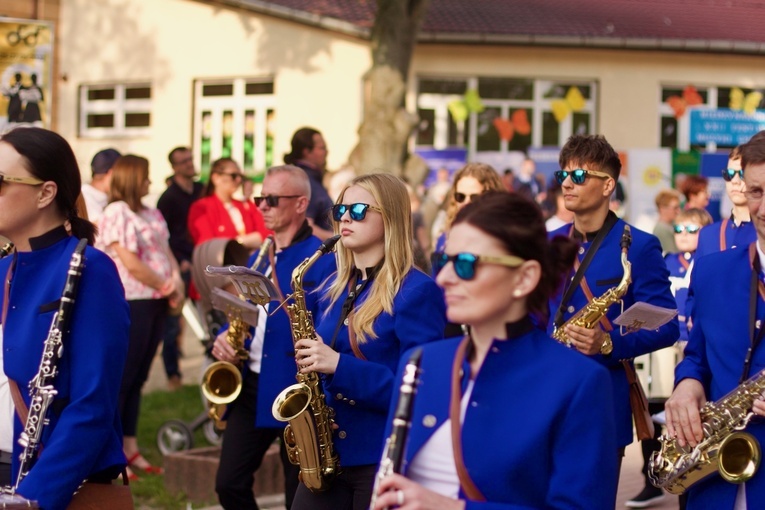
{"x": 217, "y": 168}
{"x": 173, "y": 152}
{"x": 517, "y": 223}
{"x": 301, "y": 140}
{"x": 693, "y": 184}
{"x": 593, "y": 151}
{"x": 753, "y": 152}
{"x": 49, "y": 157}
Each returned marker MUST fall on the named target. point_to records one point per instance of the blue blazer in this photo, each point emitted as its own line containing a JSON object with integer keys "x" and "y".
{"x": 715, "y": 356}
{"x": 735, "y": 237}
{"x": 84, "y": 435}
{"x": 650, "y": 284}
{"x": 359, "y": 391}
{"x": 278, "y": 368}
{"x": 539, "y": 431}
{"x": 678, "y": 275}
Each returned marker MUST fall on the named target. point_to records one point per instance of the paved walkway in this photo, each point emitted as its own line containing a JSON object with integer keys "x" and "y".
{"x": 191, "y": 367}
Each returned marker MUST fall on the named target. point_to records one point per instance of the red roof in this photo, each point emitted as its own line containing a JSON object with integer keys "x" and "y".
{"x": 717, "y": 25}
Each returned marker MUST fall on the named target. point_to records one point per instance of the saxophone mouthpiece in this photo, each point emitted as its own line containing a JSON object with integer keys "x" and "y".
{"x": 329, "y": 244}
{"x": 626, "y": 238}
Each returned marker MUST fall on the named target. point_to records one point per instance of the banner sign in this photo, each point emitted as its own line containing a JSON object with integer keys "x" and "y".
{"x": 724, "y": 126}
{"x": 26, "y": 50}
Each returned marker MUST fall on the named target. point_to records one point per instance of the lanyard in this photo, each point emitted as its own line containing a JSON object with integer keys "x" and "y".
{"x": 346, "y": 315}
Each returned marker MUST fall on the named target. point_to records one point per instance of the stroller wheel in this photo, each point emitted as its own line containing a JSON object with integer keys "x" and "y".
{"x": 174, "y": 436}
{"x": 212, "y": 433}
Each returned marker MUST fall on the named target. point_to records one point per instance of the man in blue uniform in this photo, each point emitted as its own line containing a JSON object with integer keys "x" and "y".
{"x": 589, "y": 170}
{"x": 725, "y": 348}
{"x": 251, "y": 428}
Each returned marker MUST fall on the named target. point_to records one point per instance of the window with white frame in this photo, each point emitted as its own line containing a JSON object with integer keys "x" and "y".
{"x": 115, "y": 110}
{"x": 234, "y": 118}
{"x": 675, "y": 100}
{"x": 503, "y": 114}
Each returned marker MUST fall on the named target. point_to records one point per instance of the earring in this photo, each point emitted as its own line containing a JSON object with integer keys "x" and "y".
{"x": 517, "y": 293}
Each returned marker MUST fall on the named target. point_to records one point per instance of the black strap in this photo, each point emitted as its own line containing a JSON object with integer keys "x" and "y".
{"x": 354, "y": 291}
{"x": 754, "y": 290}
{"x": 611, "y": 220}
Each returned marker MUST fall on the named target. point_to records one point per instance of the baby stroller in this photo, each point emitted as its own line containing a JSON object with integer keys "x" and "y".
{"x": 178, "y": 435}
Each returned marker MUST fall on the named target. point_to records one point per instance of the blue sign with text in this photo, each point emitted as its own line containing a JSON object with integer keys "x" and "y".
{"x": 724, "y": 126}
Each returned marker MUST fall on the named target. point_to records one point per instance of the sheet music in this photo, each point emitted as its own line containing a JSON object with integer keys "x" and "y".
{"x": 644, "y": 316}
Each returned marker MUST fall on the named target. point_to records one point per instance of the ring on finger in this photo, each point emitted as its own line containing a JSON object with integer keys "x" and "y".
{"x": 399, "y": 497}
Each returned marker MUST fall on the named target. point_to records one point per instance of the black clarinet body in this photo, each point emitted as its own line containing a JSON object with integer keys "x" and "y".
{"x": 41, "y": 388}
{"x": 395, "y": 446}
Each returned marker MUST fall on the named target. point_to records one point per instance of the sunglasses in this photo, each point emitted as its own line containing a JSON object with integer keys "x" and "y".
{"x": 465, "y": 263}
{"x": 691, "y": 229}
{"x": 729, "y": 173}
{"x": 235, "y": 176}
{"x": 29, "y": 181}
{"x": 357, "y": 212}
{"x": 578, "y": 175}
{"x": 460, "y": 197}
{"x": 272, "y": 200}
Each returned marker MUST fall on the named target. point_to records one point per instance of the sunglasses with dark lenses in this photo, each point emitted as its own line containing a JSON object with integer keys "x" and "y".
{"x": 357, "y": 212}
{"x": 460, "y": 197}
{"x": 465, "y": 263}
{"x": 578, "y": 175}
{"x": 729, "y": 173}
{"x": 29, "y": 181}
{"x": 272, "y": 200}
{"x": 691, "y": 229}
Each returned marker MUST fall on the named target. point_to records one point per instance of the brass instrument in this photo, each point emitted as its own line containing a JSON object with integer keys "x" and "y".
{"x": 308, "y": 434}
{"x": 222, "y": 381}
{"x": 6, "y": 250}
{"x": 592, "y": 312}
{"x": 724, "y": 448}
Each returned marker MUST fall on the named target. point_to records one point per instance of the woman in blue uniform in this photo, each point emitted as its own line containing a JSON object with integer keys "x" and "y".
{"x": 505, "y": 417}
{"x": 39, "y": 186}
{"x": 392, "y": 308}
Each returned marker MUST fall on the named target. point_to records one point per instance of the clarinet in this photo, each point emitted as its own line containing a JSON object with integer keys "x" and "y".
{"x": 41, "y": 389}
{"x": 395, "y": 445}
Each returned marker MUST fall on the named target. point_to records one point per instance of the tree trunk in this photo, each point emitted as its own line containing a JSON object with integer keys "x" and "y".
{"x": 386, "y": 125}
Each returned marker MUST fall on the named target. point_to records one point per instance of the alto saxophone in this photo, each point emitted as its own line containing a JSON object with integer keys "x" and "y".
{"x": 592, "y": 312}
{"x": 6, "y": 250}
{"x": 724, "y": 448}
{"x": 308, "y": 435}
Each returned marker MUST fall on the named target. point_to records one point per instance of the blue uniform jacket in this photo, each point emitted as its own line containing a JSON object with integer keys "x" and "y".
{"x": 84, "y": 435}
{"x": 715, "y": 356}
{"x": 735, "y": 236}
{"x": 278, "y": 368}
{"x": 650, "y": 284}
{"x": 678, "y": 276}
{"x": 539, "y": 430}
{"x": 359, "y": 391}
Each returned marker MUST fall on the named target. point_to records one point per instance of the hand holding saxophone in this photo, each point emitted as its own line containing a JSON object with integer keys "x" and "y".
{"x": 586, "y": 341}
{"x": 682, "y": 410}
{"x": 397, "y": 491}
{"x": 315, "y": 356}
{"x": 223, "y": 351}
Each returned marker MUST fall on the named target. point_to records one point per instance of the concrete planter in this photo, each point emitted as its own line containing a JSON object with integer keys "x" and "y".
{"x": 193, "y": 473}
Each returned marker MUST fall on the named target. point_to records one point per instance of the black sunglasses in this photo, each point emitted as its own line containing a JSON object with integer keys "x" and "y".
{"x": 691, "y": 229}
{"x": 578, "y": 175}
{"x": 465, "y": 263}
{"x": 729, "y": 173}
{"x": 272, "y": 200}
{"x": 29, "y": 181}
{"x": 357, "y": 212}
{"x": 460, "y": 197}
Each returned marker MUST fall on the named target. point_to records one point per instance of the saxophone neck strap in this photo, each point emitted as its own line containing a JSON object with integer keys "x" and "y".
{"x": 466, "y": 483}
{"x": 274, "y": 278}
{"x": 346, "y": 315}
{"x": 604, "y": 322}
{"x": 756, "y": 289}
{"x": 611, "y": 220}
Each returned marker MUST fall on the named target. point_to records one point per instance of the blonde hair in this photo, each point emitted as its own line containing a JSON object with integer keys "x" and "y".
{"x": 392, "y": 197}
{"x": 128, "y": 175}
{"x": 483, "y": 173}
{"x": 700, "y": 216}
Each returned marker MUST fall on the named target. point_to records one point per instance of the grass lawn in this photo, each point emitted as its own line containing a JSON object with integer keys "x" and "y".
{"x": 156, "y": 408}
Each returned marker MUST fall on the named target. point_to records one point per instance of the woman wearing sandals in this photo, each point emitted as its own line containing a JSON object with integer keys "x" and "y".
{"x": 136, "y": 238}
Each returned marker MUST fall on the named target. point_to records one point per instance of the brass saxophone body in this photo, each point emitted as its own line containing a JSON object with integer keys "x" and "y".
{"x": 308, "y": 434}
{"x": 724, "y": 448}
{"x": 589, "y": 316}
{"x": 6, "y": 250}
